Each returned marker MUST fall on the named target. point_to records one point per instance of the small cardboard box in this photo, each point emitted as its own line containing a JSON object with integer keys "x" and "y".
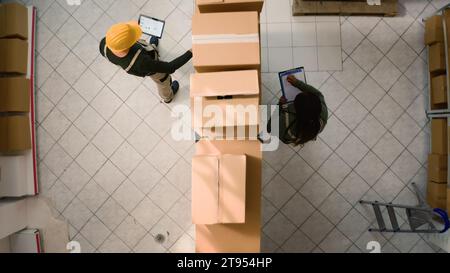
{"x": 437, "y": 59}
{"x": 437, "y": 195}
{"x": 15, "y": 134}
{"x": 13, "y": 56}
{"x": 209, "y": 6}
{"x": 439, "y": 90}
{"x": 226, "y": 41}
{"x": 226, "y": 104}
{"x": 439, "y": 133}
{"x": 438, "y": 168}
{"x": 218, "y": 189}
{"x": 434, "y": 30}
{"x": 13, "y": 21}
{"x": 14, "y": 95}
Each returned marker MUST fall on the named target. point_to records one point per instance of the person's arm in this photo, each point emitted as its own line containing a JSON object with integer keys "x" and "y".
{"x": 306, "y": 88}
{"x": 166, "y": 67}
{"x": 102, "y": 47}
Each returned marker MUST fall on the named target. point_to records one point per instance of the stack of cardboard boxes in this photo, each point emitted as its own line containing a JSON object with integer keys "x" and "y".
{"x": 434, "y": 38}
{"x": 438, "y": 184}
{"x": 438, "y": 165}
{"x": 15, "y": 135}
{"x": 225, "y": 96}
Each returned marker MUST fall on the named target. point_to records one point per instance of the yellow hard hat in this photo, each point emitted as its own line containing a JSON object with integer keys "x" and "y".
{"x": 123, "y": 36}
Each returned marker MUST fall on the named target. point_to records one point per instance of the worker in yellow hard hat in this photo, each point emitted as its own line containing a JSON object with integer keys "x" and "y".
{"x": 122, "y": 46}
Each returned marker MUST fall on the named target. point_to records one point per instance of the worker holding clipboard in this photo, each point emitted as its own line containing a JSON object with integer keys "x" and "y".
{"x": 124, "y": 46}
{"x": 303, "y": 110}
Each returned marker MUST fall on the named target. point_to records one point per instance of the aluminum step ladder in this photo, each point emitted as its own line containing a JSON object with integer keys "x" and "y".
{"x": 420, "y": 218}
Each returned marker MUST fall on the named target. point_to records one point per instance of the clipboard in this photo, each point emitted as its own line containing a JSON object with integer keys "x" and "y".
{"x": 290, "y": 92}
{"x": 152, "y": 26}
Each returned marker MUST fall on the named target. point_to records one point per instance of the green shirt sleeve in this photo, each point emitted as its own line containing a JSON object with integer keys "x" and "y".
{"x": 310, "y": 89}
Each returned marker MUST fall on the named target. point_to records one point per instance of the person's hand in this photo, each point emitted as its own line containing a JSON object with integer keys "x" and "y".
{"x": 291, "y": 79}
{"x": 283, "y": 100}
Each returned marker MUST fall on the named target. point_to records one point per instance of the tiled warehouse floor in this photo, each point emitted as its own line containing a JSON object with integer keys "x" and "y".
{"x": 109, "y": 165}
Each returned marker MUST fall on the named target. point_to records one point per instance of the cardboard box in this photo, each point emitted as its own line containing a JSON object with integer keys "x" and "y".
{"x": 434, "y": 30}
{"x": 235, "y": 238}
{"x": 437, "y": 59}
{"x": 439, "y": 133}
{"x": 14, "y": 95}
{"x": 226, "y": 41}
{"x": 15, "y": 134}
{"x": 209, "y": 6}
{"x": 13, "y": 21}
{"x": 437, "y": 195}
{"x": 13, "y": 56}
{"x": 218, "y": 189}
{"x": 437, "y": 168}
{"x": 439, "y": 91}
{"x": 234, "y": 99}
{"x": 13, "y": 216}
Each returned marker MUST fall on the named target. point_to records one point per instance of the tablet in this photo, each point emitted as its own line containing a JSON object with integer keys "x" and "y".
{"x": 151, "y": 26}
{"x": 290, "y": 92}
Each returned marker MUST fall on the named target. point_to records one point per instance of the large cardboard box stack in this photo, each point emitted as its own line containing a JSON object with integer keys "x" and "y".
{"x": 225, "y": 99}
{"x": 434, "y": 38}
{"x": 15, "y": 134}
{"x": 438, "y": 164}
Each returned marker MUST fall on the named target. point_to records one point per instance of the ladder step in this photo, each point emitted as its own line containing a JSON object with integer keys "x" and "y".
{"x": 393, "y": 218}
{"x": 379, "y": 217}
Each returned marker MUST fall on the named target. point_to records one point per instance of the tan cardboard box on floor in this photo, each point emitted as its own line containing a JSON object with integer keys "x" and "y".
{"x": 208, "y": 6}
{"x": 14, "y": 95}
{"x": 235, "y": 238}
{"x": 226, "y": 41}
{"x": 434, "y": 30}
{"x": 438, "y": 168}
{"x": 13, "y": 56}
{"x": 218, "y": 189}
{"x": 439, "y": 91}
{"x": 437, "y": 195}
{"x": 439, "y": 136}
{"x": 13, "y": 21}
{"x": 437, "y": 59}
{"x": 236, "y": 94}
{"x": 15, "y": 134}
